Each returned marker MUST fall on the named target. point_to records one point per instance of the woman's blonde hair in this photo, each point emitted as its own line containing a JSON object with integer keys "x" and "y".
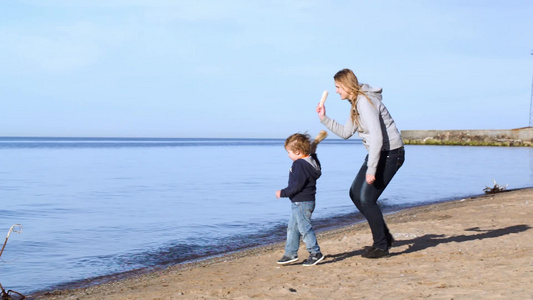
{"x": 349, "y": 82}
{"x": 299, "y": 142}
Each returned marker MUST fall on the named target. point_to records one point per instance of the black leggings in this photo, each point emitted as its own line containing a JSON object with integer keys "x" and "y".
{"x": 365, "y": 196}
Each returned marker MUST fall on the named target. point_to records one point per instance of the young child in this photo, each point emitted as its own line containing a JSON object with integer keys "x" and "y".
{"x": 301, "y": 191}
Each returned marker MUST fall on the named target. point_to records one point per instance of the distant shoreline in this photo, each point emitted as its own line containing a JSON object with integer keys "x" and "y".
{"x": 519, "y": 137}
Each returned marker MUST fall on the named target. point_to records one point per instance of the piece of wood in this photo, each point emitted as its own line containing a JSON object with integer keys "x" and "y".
{"x": 324, "y": 96}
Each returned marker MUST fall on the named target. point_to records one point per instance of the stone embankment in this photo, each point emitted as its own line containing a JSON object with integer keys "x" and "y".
{"x": 521, "y": 137}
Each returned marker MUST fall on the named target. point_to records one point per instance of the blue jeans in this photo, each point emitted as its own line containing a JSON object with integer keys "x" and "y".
{"x": 365, "y": 196}
{"x": 300, "y": 226}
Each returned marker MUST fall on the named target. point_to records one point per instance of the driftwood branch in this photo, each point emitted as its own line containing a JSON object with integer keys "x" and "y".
{"x": 496, "y": 189}
{"x": 17, "y": 228}
{"x": 7, "y": 295}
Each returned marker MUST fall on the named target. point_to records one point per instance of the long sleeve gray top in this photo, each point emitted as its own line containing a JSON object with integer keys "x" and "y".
{"x": 376, "y": 127}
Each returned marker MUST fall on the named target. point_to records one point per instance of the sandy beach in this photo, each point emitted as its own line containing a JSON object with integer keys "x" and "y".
{"x": 474, "y": 248}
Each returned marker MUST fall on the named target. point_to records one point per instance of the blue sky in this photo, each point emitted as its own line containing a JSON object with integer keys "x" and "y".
{"x": 241, "y": 68}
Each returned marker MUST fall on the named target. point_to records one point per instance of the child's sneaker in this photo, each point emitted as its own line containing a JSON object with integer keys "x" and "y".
{"x": 287, "y": 259}
{"x": 319, "y": 138}
{"x": 314, "y": 259}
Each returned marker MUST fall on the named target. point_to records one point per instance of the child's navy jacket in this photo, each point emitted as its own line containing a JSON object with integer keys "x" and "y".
{"x": 302, "y": 179}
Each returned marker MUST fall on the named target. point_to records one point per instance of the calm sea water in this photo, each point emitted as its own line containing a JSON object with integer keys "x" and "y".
{"x": 94, "y": 207}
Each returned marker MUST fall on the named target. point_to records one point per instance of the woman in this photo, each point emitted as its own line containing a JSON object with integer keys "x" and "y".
{"x": 373, "y": 123}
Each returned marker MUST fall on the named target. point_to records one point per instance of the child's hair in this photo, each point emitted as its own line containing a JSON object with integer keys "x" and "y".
{"x": 299, "y": 142}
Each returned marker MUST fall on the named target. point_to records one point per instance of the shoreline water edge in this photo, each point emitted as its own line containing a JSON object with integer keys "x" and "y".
{"x": 331, "y": 232}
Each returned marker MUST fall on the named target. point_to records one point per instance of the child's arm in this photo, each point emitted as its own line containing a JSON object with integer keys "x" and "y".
{"x": 297, "y": 180}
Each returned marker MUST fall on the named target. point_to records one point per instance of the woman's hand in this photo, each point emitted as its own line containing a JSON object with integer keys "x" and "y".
{"x": 278, "y": 194}
{"x": 370, "y": 178}
{"x": 321, "y": 110}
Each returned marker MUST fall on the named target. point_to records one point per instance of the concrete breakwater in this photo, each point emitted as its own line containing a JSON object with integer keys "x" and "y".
{"x": 522, "y": 137}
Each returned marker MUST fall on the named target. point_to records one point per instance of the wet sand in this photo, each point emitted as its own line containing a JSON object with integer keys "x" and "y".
{"x": 474, "y": 248}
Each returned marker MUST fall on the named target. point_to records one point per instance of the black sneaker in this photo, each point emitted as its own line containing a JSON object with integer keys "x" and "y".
{"x": 390, "y": 241}
{"x": 314, "y": 259}
{"x": 376, "y": 253}
{"x": 287, "y": 259}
